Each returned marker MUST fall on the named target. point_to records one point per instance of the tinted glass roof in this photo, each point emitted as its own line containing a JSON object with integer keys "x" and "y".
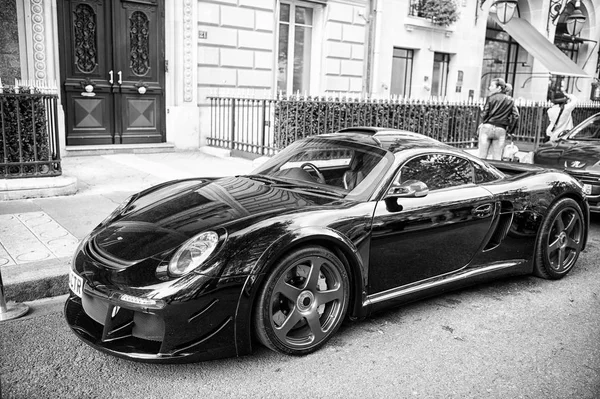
{"x": 392, "y": 140}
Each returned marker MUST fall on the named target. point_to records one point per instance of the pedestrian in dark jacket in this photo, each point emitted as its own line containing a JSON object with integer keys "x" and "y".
{"x": 512, "y": 129}
{"x": 499, "y": 115}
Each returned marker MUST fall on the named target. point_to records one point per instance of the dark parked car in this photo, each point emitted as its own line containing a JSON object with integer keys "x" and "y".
{"x": 335, "y": 226}
{"x": 577, "y": 152}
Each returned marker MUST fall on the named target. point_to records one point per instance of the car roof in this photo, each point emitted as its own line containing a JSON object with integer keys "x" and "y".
{"x": 393, "y": 140}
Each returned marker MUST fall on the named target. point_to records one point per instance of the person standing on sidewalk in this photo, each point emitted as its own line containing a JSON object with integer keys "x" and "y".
{"x": 509, "y": 151}
{"x": 499, "y": 115}
{"x": 560, "y": 114}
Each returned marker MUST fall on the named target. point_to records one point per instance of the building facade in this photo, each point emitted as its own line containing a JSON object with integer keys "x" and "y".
{"x": 141, "y": 72}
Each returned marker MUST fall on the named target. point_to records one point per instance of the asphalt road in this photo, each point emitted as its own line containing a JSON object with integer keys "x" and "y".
{"x": 517, "y": 338}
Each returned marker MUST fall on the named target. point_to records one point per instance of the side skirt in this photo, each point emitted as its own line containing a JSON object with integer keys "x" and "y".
{"x": 443, "y": 284}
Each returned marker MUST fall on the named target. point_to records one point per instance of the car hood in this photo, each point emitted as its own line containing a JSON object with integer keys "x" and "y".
{"x": 571, "y": 154}
{"x": 161, "y": 219}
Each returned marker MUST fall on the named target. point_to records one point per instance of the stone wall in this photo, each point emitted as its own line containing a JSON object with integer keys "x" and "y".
{"x": 344, "y": 48}
{"x": 9, "y": 42}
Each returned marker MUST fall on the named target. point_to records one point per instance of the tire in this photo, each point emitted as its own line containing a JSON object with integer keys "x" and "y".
{"x": 560, "y": 240}
{"x": 303, "y": 301}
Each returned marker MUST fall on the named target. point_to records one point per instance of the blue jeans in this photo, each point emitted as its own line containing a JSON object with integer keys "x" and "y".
{"x": 491, "y": 141}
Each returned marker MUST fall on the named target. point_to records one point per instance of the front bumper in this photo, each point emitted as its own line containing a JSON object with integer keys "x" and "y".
{"x": 182, "y": 331}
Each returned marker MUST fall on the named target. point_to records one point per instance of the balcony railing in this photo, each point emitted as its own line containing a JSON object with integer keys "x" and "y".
{"x": 416, "y": 7}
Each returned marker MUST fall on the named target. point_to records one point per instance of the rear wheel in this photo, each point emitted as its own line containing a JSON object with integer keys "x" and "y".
{"x": 560, "y": 240}
{"x": 303, "y": 302}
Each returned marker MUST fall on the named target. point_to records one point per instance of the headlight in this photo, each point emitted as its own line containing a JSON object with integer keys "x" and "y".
{"x": 118, "y": 211}
{"x": 193, "y": 253}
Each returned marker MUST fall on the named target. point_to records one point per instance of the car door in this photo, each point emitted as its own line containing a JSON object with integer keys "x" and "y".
{"x": 419, "y": 238}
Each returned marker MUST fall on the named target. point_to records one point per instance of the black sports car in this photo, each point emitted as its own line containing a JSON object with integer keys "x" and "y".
{"x": 577, "y": 152}
{"x": 335, "y": 226}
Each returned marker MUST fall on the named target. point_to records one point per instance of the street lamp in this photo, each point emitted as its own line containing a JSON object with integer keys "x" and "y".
{"x": 505, "y": 9}
{"x": 575, "y": 22}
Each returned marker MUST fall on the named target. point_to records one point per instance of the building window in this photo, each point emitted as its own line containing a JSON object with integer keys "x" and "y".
{"x": 294, "y": 47}
{"x": 439, "y": 81}
{"x": 402, "y": 65}
{"x": 500, "y": 55}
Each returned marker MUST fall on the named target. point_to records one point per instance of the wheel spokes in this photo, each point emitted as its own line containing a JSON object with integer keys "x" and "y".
{"x": 293, "y": 318}
{"x": 558, "y": 223}
{"x": 554, "y": 246}
{"x": 324, "y": 297}
{"x": 571, "y": 243}
{"x": 571, "y": 223}
{"x": 313, "y": 275}
{"x": 288, "y": 291}
{"x": 315, "y": 326}
{"x": 561, "y": 259}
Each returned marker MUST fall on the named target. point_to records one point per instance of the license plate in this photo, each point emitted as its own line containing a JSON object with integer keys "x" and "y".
{"x": 76, "y": 284}
{"x": 587, "y": 188}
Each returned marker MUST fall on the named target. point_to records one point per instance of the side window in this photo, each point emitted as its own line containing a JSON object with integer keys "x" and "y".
{"x": 589, "y": 130}
{"x": 438, "y": 171}
{"x": 483, "y": 175}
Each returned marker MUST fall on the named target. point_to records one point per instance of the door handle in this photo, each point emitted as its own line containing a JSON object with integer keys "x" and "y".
{"x": 483, "y": 211}
{"x": 111, "y": 77}
{"x": 120, "y": 77}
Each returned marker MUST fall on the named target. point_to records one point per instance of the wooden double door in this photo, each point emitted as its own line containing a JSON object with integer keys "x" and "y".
{"x": 112, "y": 71}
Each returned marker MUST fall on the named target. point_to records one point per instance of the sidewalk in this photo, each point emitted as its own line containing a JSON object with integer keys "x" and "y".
{"x": 38, "y": 236}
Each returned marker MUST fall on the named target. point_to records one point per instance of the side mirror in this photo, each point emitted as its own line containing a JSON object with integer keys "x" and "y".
{"x": 408, "y": 189}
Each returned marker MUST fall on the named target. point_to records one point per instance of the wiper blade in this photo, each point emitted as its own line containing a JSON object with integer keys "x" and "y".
{"x": 282, "y": 183}
{"x": 261, "y": 178}
{"x": 311, "y": 189}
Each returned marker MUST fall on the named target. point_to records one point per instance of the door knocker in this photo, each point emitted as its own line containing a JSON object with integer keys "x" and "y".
{"x": 141, "y": 87}
{"x": 88, "y": 86}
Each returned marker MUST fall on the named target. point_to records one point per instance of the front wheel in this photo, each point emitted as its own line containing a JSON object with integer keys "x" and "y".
{"x": 303, "y": 302}
{"x": 560, "y": 240}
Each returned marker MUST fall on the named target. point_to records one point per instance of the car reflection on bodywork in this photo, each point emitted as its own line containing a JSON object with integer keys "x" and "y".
{"x": 333, "y": 227}
{"x": 577, "y": 152}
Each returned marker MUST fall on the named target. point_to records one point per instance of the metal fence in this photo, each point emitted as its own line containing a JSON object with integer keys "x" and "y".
{"x": 29, "y": 143}
{"x": 264, "y": 126}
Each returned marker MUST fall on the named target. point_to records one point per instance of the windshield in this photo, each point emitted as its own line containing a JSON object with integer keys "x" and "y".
{"x": 587, "y": 130}
{"x": 348, "y": 168}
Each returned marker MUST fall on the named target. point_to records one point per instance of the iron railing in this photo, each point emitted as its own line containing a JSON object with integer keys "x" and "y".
{"x": 243, "y": 124}
{"x": 416, "y": 8}
{"x": 29, "y": 142}
{"x": 264, "y": 126}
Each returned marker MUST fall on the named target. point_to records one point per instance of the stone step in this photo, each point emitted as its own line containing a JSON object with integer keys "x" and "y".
{"x": 84, "y": 150}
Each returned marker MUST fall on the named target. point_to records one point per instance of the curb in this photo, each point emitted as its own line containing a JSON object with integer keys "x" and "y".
{"x": 37, "y": 187}
{"x": 37, "y": 289}
{"x": 36, "y": 280}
